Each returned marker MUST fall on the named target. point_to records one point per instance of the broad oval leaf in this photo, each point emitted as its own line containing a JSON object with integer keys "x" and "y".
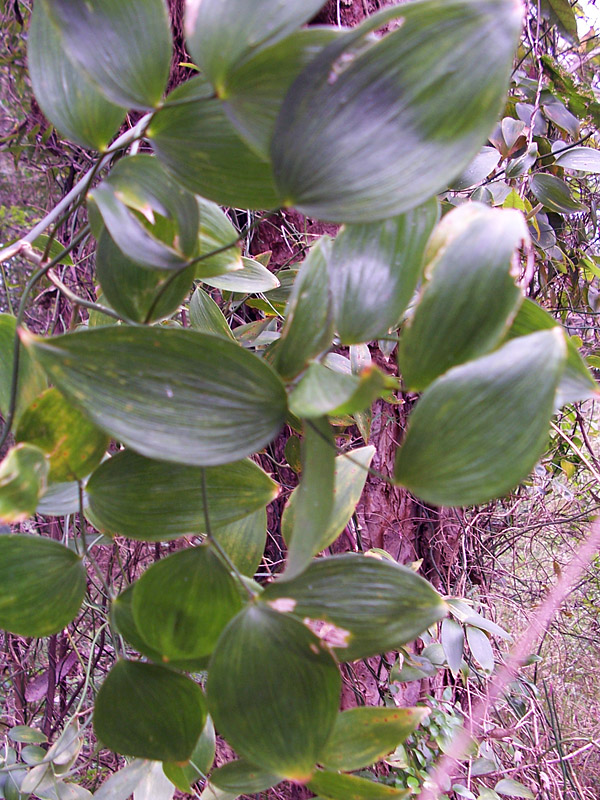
{"x": 349, "y": 480}
{"x": 31, "y": 379}
{"x": 480, "y": 648}
{"x": 480, "y": 428}
{"x": 207, "y": 317}
{"x": 123, "y": 47}
{"x": 23, "y": 477}
{"x": 511, "y": 788}
{"x": 467, "y": 305}
{"x": 219, "y": 165}
{"x": 149, "y": 500}
{"x": 377, "y": 605}
{"x": 220, "y": 33}
{"x": 123, "y": 621}
{"x": 139, "y": 187}
{"x": 139, "y": 294}
{"x": 373, "y": 272}
{"x": 73, "y": 444}
{"x": 576, "y": 383}
{"x": 554, "y": 194}
{"x": 334, "y": 786}
{"x": 323, "y": 391}
{"x": 453, "y": 642}
{"x": 273, "y": 691}
{"x": 42, "y": 585}
{"x": 399, "y": 117}
{"x": 244, "y": 540}
{"x": 183, "y": 777}
{"x": 252, "y": 278}
{"x": 364, "y": 735}
{"x": 485, "y": 162}
{"x": 169, "y": 394}
{"x": 183, "y": 602}
{"x": 217, "y": 235}
{"x": 59, "y": 499}
{"x": 308, "y": 328}
{"x": 67, "y": 96}
{"x": 241, "y": 777}
{"x": 149, "y": 711}
{"x": 583, "y": 159}
{"x": 254, "y": 89}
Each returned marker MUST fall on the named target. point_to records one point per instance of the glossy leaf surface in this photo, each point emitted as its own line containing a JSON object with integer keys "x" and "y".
{"x": 149, "y": 711}
{"x": 373, "y": 272}
{"x": 217, "y": 233}
{"x": 334, "y": 786}
{"x": 150, "y": 500}
{"x": 221, "y": 165}
{"x": 200, "y": 761}
{"x": 250, "y": 279}
{"x": 241, "y": 777}
{"x": 323, "y": 391}
{"x": 349, "y": 479}
{"x": 138, "y": 293}
{"x": 398, "y": 118}
{"x": 23, "y": 477}
{"x": 273, "y": 691}
{"x": 467, "y": 304}
{"x": 244, "y": 540}
{"x": 42, "y": 585}
{"x": 220, "y": 34}
{"x": 378, "y": 605}
{"x": 480, "y": 647}
{"x": 176, "y": 395}
{"x": 138, "y": 186}
{"x": 584, "y": 159}
{"x": 554, "y": 194}
{"x": 73, "y": 444}
{"x": 466, "y": 442}
{"x": 31, "y": 379}
{"x": 314, "y": 495}
{"x": 66, "y": 95}
{"x": 182, "y": 603}
{"x": 207, "y": 317}
{"x": 124, "y": 47}
{"x": 364, "y": 735}
{"x": 308, "y": 328}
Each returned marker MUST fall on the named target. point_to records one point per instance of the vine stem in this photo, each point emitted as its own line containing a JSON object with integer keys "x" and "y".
{"x": 221, "y": 553}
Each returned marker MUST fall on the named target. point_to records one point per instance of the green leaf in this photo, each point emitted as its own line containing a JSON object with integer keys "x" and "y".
{"x": 250, "y": 279}
{"x": 73, "y": 444}
{"x": 121, "y": 784}
{"x": 23, "y": 733}
{"x": 273, "y": 691}
{"x": 399, "y": 117}
{"x": 562, "y": 13}
{"x": 253, "y": 90}
{"x": 220, "y": 165}
{"x": 453, "y": 639}
{"x": 314, "y": 495}
{"x": 349, "y": 480}
{"x": 480, "y": 647}
{"x": 42, "y": 585}
{"x": 31, "y": 380}
{"x": 59, "y": 499}
{"x": 23, "y": 476}
{"x": 217, "y": 233}
{"x": 139, "y": 187}
{"x": 123, "y": 621}
{"x": 151, "y": 500}
{"x": 377, "y": 605}
{"x": 554, "y": 194}
{"x": 480, "y": 428}
{"x": 200, "y": 761}
{"x": 324, "y": 391}
{"x": 583, "y": 159}
{"x": 66, "y": 95}
{"x": 175, "y": 395}
{"x": 373, "y": 272}
{"x": 183, "y": 602}
{"x": 333, "y": 786}
{"x": 577, "y": 383}
{"x": 364, "y": 735}
{"x": 220, "y": 33}
{"x": 241, "y": 777}
{"x": 149, "y": 711}
{"x": 207, "y": 317}
{"x": 308, "y": 328}
{"x": 511, "y": 788}
{"x": 467, "y": 304}
{"x": 485, "y": 162}
{"x": 125, "y": 48}
{"x": 138, "y": 293}
{"x": 244, "y": 540}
